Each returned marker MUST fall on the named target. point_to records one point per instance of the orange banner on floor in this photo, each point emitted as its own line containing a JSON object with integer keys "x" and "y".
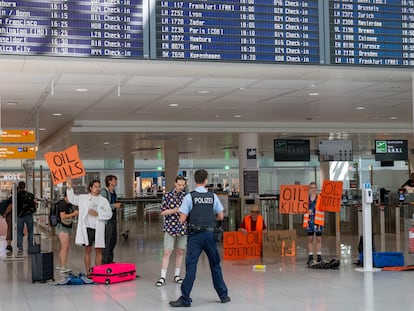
{"x": 294, "y": 199}
{"x": 238, "y": 245}
{"x": 65, "y": 163}
{"x": 330, "y": 198}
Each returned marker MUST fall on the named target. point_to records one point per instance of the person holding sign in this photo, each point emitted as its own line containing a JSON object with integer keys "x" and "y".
{"x": 313, "y": 222}
{"x": 203, "y": 209}
{"x": 253, "y": 222}
{"x": 94, "y": 211}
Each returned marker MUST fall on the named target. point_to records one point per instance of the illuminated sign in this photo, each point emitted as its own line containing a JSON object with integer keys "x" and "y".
{"x": 18, "y": 136}
{"x": 18, "y": 152}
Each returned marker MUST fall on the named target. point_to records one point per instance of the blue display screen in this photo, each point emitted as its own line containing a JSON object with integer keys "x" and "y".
{"x": 239, "y": 30}
{"x": 110, "y": 28}
{"x": 372, "y": 32}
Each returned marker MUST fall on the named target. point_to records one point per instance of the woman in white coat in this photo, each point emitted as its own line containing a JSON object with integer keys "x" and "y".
{"x": 94, "y": 210}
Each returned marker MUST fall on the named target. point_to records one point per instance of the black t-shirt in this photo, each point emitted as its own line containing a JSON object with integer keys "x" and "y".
{"x": 67, "y": 208}
{"x": 409, "y": 183}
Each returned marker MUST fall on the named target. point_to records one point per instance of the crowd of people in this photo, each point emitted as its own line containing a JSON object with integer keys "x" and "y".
{"x": 186, "y": 236}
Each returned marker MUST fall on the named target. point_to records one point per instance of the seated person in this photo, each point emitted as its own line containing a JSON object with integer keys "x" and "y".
{"x": 253, "y": 222}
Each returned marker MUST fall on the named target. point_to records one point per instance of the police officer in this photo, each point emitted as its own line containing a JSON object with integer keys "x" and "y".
{"x": 204, "y": 209}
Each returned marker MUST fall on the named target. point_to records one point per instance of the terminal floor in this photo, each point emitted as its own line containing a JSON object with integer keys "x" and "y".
{"x": 286, "y": 284}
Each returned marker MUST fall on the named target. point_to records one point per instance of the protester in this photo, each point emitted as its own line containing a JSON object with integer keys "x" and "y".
{"x": 94, "y": 211}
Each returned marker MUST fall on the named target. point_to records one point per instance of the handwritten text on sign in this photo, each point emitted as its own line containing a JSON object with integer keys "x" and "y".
{"x": 65, "y": 163}
{"x": 331, "y": 196}
{"x": 294, "y": 199}
{"x": 279, "y": 243}
{"x": 237, "y": 245}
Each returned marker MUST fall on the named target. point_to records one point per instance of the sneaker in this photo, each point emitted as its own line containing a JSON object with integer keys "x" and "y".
{"x": 19, "y": 252}
{"x": 319, "y": 258}
{"x": 64, "y": 270}
{"x": 58, "y": 268}
{"x": 9, "y": 248}
{"x": 310, "y": 260}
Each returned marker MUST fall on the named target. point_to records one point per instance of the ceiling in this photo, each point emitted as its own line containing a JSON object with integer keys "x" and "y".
{"x": 128, "y": 105}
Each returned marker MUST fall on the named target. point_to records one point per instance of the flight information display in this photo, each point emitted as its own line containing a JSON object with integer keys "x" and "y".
{"x": 111, "y": 28}
{"x": 238, "y": 30}
{"x": 372, "y": 32}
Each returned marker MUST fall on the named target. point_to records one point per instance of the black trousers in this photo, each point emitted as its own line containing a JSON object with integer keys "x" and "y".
{"x": 110, "y": 241}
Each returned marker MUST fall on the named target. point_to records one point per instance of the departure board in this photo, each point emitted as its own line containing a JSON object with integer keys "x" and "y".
{"x": 372, "y": 32}
{"x": 238, "y": 30}
{"x": 111, "y": 28}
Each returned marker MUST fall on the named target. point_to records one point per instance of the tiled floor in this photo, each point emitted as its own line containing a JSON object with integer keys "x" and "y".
{"x": 285, "y": 285}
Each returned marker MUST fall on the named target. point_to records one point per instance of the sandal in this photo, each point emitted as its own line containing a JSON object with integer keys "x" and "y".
{"x": 160, "y": 282}
{"x": 178, "y": 279}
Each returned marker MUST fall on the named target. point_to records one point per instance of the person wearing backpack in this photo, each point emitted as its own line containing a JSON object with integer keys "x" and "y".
{"x": 26, "y": 206}
{"x": 65, "y": 212}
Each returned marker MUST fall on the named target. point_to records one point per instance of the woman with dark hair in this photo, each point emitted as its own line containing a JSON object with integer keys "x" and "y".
{"x": 66, "y": 213}
{"x": 94, "y": 211}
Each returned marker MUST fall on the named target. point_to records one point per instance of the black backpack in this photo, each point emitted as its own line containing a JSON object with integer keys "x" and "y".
{"x": 28, "y": 204}
{"x": 54, "y": 217}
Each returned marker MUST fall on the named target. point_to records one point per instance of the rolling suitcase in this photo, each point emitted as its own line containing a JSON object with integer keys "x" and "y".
{"x": 42, "y": 267}
{"x": 113, "y": 273}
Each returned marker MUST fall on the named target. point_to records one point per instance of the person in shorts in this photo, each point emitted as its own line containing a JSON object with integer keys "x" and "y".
{"x": 94, "y": 211}
{"x": 313, "y": 222}
{"x": 174, "y": 232}
{"x": 66, "y": 213}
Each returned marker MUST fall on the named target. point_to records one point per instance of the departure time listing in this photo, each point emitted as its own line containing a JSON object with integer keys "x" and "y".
{"x": 111, "y": 28}
{"x": 241, "y": 30}
{"x": 372, "y": 32}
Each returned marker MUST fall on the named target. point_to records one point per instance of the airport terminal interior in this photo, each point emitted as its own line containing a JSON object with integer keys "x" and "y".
{"x": 261, "y": 94}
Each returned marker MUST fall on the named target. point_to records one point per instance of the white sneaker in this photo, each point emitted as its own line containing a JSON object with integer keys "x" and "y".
{"x": 58, "y": 268}
{"x": 64, "y": 270}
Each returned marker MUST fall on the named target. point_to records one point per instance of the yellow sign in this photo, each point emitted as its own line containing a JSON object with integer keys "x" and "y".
{"x": 18, "y": 136}
{"x": 18, "y": 152}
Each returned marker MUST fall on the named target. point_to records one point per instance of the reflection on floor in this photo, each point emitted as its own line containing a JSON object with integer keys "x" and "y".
{"x": 286, "y": 284}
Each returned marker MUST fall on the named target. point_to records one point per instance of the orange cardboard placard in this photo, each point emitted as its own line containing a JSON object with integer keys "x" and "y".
{"x": 65, "y": 163}
{"x": 331, "y": 196}
{"x": 237, "y": 245}
{"x": 294, "y": 199}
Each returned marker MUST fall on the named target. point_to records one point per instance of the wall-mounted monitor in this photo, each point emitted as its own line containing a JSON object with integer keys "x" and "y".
{"x": 335, "y": 150}
{"x": 391, "y": 150}
{"x": 293, "y": 150}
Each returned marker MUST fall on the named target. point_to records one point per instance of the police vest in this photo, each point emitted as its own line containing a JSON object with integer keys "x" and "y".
{"x": 202, "y": 214}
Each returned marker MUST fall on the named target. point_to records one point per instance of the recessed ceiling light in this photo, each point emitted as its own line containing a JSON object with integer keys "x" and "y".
{"x": 393, "y": 118}
{"x": 360, "y": 108}
{"x": 242, "y": 88}
{"x": 189, "y": 138}
{"x": 106, "y": 143}
{"x": 173, "y": 105}
{"x": 81, "y": 90}
{"x": 237, "y": 116}
{"x": 203, "y": 92}
{"x": 42, "y": 129}
{"x": 314, "y": 94}
{"x": 57, "y": 114}
{"x": 11, "y": 104}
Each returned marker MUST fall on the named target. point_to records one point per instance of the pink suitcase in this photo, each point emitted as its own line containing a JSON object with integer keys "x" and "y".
{"x": 113, "y": 273}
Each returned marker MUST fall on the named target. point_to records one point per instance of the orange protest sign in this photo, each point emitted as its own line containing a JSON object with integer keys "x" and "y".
{"x": 65, "y": 163}
{"x": 294, "y": 199}
{"x": 331, "y": 196}
{"x": 237, "y": 245}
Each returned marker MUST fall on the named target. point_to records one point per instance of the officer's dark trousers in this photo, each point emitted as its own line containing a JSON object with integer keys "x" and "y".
{"x": 110, "y": 241}
{"x": 198, "y": 242}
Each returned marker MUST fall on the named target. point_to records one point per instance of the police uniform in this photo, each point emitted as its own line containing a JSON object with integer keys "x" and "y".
{"x": 202, "y": 206}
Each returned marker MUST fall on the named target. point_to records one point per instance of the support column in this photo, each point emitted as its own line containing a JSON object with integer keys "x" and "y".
{"x": 129, "y": 174}
{"x": 248, "y": 168}
{"x": 171, "y": 163}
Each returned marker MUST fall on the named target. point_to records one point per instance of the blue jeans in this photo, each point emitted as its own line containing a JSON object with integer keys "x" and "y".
{"x": 28, "y": 220}
{"x": 198, "y": 242}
